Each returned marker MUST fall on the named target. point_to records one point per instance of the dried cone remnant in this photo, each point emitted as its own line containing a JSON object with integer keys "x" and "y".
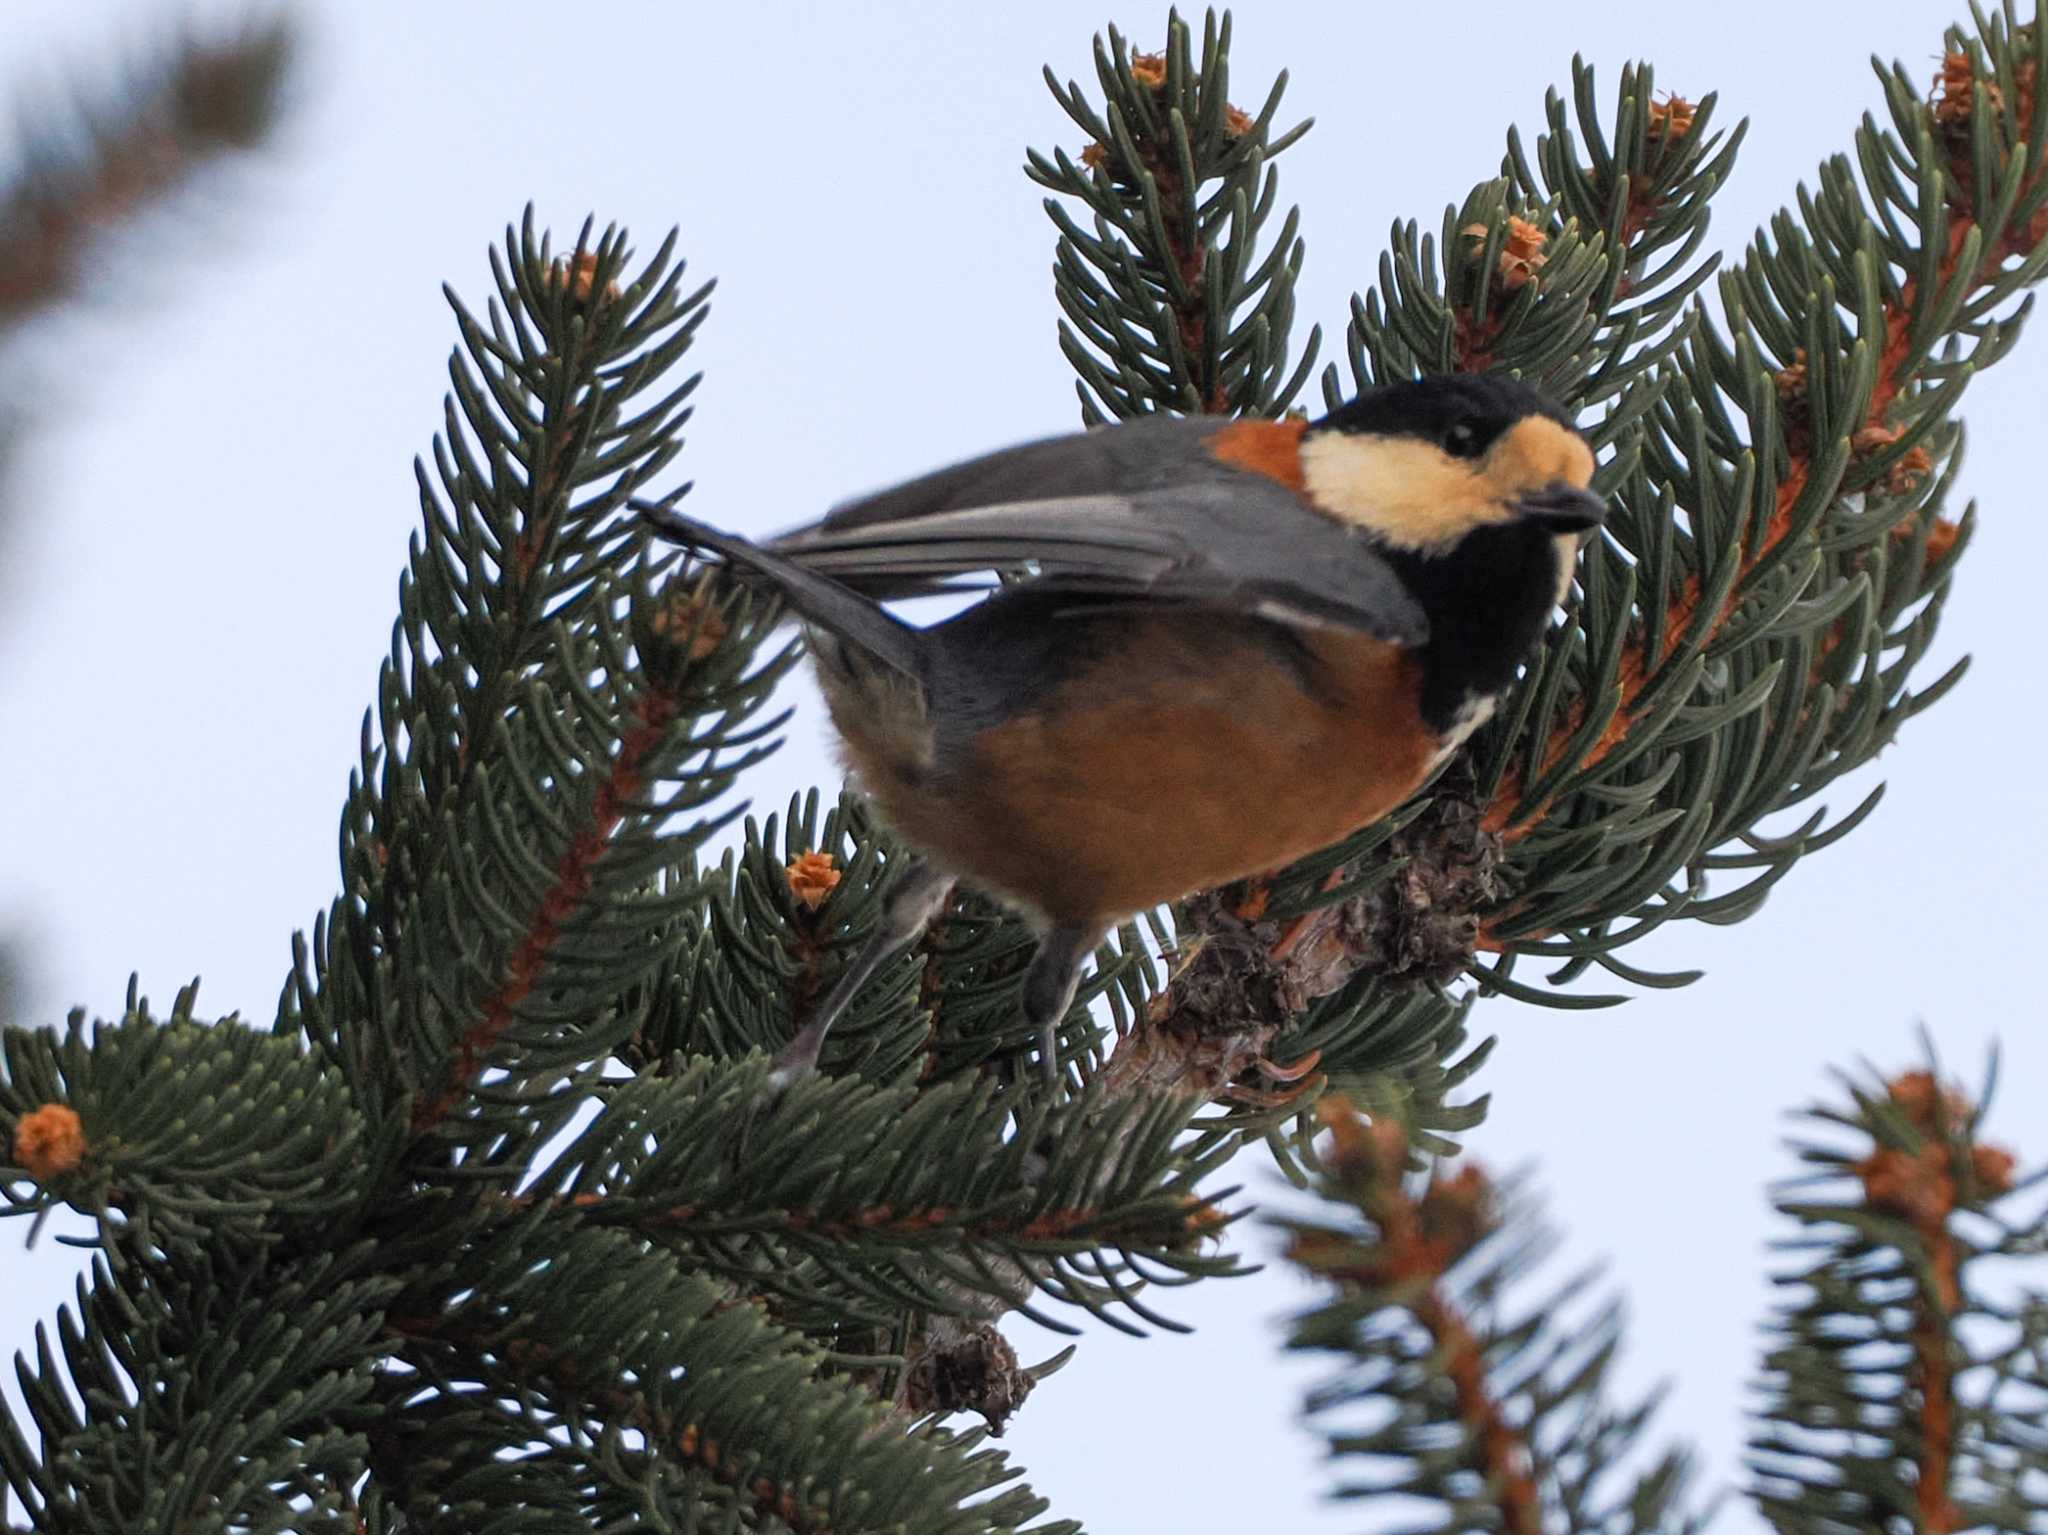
{"x": 1923, "y": 1183}
{"x": 958, "y": 1366}
{"x": 812, "y": 877}
{"x": 49, "y": 1141}
{"x": 1422, "y": 926}
{"x": 1418, "y": 927}
{"x": 1242, "y": 976}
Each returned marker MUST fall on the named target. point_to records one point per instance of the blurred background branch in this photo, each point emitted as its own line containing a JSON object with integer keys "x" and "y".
{"x": 141, "y": 142}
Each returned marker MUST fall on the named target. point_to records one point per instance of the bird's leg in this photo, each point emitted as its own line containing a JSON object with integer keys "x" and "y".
{"x": 915, "y": 899}
{"x": 1049, "y": 984}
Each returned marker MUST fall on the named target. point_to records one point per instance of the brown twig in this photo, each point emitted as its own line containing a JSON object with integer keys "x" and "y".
{"x": 1184, "y": 245}
{"x": 1195, "y": 1222}
{"x": 1923, "y": 1184}
{"x": 567, "y": 890}
{"x": 1417, "y": 1240}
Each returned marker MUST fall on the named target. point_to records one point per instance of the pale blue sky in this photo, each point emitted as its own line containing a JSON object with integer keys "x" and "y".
{"x": 194, "y": 602}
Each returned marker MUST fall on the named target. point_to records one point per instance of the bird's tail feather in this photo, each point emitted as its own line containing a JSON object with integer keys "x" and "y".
{"x": 819, "y": 599}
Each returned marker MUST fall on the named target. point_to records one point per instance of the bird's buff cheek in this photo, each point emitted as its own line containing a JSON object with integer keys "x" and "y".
{"x": 1407, "y": 493}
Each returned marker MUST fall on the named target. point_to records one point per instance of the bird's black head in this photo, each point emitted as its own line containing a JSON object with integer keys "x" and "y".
{"x": 1463, "y": 413}
{"x": 1422, "y": 463}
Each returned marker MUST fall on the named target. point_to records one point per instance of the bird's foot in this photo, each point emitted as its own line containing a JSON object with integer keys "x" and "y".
{"x": 797, "y": 1059}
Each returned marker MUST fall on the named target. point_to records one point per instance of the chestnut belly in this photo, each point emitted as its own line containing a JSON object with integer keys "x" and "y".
{"x": 1111, "y": 798}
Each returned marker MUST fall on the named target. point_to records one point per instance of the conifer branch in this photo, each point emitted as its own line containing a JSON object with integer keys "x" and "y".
{"x": 1950, "y": 276}
{"x": 84, "y": 174}
{"x": 941, "y": 1009}
{"x": 1498, "y": 1420}
{"x": 1546, "y": 270}
{"x": 606, "y": 1336}
{"x": 427, "y": 1259}
{"x": 1418, "y": 1239}
{"x": 1750, "y": 634}
{"x": 1168, "y": 303}
{"x": 554, "y": 696}
{"x": 1901, "y": 1389}
{"x": 206, "y": 99}
{"x": 574, "y": 876}
{"x": 1904, "y": 358}
{"x": 839, "y": 1208}
{"x": 517, "y": 1362}
{"x": 172, "y": 1397}
{"x": 280, "y": 1140}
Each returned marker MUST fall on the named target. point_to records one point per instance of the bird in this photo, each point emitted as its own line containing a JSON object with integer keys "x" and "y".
{"x": 1206, "y": 647}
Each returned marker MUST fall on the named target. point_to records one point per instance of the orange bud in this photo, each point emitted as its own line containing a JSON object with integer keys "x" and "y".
{"x": 1915, "y": 1185}
{"x": 812, "y": 877}
{"x": 580, "y": 273}
{"x": 1524, "y": 238}
{"x": 1149, "y": 69}
{"x": 1521, "y": 253}
{"x": 1914, "y": 465}
{"x": 1992, "y": 1167}
{"x": 689, "y": 611}
{"x": 49, "y": 1141}
{"x": 1953, "y": 94}
{"x": 1791, "y": 380}
{"x": 1671, "y": 118}
{"x": 1930, "y": 1107}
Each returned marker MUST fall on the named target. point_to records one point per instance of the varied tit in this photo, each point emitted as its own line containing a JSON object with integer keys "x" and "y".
{"x": 1238, "y": 641}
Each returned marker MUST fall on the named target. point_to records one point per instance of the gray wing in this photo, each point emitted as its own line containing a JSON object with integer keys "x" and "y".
{"x": 1128, "y": 457}
{"x": 1096, "y": 518}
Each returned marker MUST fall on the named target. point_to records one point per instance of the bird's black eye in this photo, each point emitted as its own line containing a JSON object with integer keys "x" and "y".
{"x": 1461, "y": 440}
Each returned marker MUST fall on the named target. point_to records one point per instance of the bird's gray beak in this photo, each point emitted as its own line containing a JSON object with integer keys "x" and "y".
{"x": 1563, "y": 508}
